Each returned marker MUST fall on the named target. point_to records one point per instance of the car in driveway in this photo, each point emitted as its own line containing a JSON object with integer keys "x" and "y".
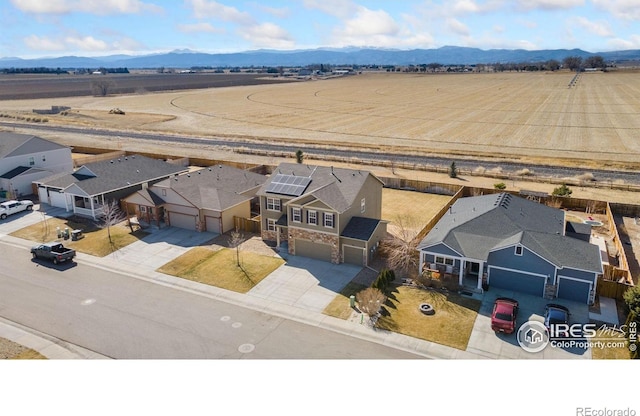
{"x": 555, "y": 315}
{"x": 503, "y": 317}
{"x": 13, "y": 207}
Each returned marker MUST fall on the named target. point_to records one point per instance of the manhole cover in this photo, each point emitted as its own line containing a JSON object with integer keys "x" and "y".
{"x": 246, "y": 348}
{"x": 236, "y": 325}
{"x": 225, "y": 318}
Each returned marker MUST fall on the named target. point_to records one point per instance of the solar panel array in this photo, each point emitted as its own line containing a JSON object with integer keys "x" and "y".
{"x": 288, "y": 185}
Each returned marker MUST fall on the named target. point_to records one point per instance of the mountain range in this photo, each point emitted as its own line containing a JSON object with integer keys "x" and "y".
{"x": 446, "y": 55}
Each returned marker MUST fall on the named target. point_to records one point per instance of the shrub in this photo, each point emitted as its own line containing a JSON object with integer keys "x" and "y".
{"x": 453, "y": 171}
{"x": 500, "y": 185}
{"x": 563, "y": 190}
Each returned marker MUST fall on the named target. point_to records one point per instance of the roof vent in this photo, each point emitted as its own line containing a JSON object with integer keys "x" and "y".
{"x": 133, "y": 157}
{"x": 125, "y": 158}
{"x": 209, "y": 169}
{"x": 111, "y": 161}
{"x": 137, "y": 170}
{"x": 188, "y": 175}
{"x": 199, "y": 173}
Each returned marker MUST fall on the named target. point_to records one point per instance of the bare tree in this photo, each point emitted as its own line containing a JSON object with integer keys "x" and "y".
{"x": 370, "y": 301}
{"x": 101, "y": 86}
{"x": 234, "y": 242}
{"x": 401, "y": 247}
{"x": 111, "y": 215}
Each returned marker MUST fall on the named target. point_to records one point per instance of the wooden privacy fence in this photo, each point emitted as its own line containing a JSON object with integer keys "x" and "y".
{"x": 97, "y": 158}
{"x": 612, "y": 289}
{"x": 248, "y": 225}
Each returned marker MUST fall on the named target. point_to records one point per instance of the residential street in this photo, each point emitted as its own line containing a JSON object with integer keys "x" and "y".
{"x": 123, "y": 317}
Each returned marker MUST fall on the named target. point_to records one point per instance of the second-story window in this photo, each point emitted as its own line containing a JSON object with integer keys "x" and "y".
{"x": 296, "y": 215}
{"x": 328, "y": 220}
{"x": 363, "y": 205}
{"x": 271, "y": 224}
{"x": 32, "y": 161}
{"x": 312, "y": 217}
{"x": 273, "y": 204}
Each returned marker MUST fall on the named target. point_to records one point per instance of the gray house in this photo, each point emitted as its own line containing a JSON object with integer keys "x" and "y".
{"x": 204, "y": 200}
{"x": 513, "y": 243}
{"x": 85, "y": 191}
{"x": 323, "y": 212}
{"x": 25, "y": 158}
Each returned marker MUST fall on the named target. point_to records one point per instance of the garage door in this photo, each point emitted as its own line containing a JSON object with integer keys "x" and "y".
{"x": 520, "y": 282}
{"x": 213, "y": 224}
{"x": 57, "y": 199}
{"x": 317, "y": 251}
{"x": 182, "y": 220}
{"x": 354, "y": 255}
{"x": 573, "y": 290}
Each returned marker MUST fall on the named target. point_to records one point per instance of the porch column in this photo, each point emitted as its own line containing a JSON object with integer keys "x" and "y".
{"x": 93, "y": 214}
{"x": 480, "y": 274}
{"x": 421, "y": 262}
{"x": 278, "y": 237}
{"x": 461, "y": 272}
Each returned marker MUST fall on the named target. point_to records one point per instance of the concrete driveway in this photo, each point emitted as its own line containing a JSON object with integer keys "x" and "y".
{"x": 305, "y": 283}
{"x": 485, "y": 342}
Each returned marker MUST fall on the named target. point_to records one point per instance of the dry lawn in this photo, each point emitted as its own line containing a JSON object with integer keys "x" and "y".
{"x": 95, "y": 241}
{"x": 510, "y": 114}
{"x": 219, "y": 268}
{"x": 10, "y": 350}
{"x": 339, "y": 306}
{"x": 413, "y": 209}
{"x": 451, "y": 325}
{"x": 609, "y": 353}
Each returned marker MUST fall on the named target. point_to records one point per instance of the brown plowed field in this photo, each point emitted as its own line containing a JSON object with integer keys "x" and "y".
{"x": 534, "y": 116}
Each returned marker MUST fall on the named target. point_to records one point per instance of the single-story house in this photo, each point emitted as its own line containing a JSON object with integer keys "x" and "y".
{"x": 203, "y": 200}
{"x": 326, "y": 213}
{"x": 25, "y": 158}
{"x": 512, "y": 243}
{"x": 91, "y": 186}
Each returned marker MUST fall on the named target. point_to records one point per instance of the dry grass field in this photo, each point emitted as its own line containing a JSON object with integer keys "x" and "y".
{"x": 531, "y": 116}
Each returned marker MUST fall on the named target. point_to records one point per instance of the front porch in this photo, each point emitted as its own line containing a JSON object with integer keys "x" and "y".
{"x": 467, "y": 272}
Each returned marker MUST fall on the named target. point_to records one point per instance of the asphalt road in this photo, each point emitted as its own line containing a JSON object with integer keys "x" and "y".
{"x": 126, "y": 318}
{"x": 602, "y": 175}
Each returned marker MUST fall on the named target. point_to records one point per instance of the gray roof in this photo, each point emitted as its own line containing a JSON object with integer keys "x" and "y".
{"x": 336, "y": 187}
{"x": 473, "y": 227}
{"x": 360, "y": 228}
{"x": 14, "y": 144}
{"x": 217, "y": 187}
{"x": 110, "y": 175}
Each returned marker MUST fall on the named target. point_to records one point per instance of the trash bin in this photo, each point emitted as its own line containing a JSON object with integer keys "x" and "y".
{"x": 66, "y": 233}
{"x": 76, "y": 235}
{"x": 59, "y": 231}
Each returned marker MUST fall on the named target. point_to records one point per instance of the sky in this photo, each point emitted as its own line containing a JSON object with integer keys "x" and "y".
{"x": 44, "y": 28}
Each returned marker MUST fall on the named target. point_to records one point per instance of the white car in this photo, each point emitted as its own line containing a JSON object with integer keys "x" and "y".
{"x": 13, "y": 207}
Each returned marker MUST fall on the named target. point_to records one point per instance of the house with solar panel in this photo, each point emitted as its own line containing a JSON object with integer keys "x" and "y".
{"x": 326, "y": 213}
{"x": 514, "y": 244}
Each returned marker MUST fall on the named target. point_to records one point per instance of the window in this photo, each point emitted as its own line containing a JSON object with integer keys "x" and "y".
{"x": 44, "y": 158}
{"x": 273, "y": 204}
{"x": 328, "y": 220}
{"x": 312, "y": 217}
{"x": 143, "y": 208}
{"x": 271, "y": 224}
{"x": 363, "y": 205}
{"x": 443, "y": 260}
{"x": 32, "y": 161}
{"x": 296, "y": 215}
{"x": 518, "y": 250}
{"x": 164, "y": 192}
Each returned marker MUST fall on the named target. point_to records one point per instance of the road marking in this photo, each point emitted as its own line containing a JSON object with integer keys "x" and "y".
{"x": 246, "y": 348}
{"x": 225, "y": 318}
{"x": 236, "y": 325}
{"x": 88, "y": 302}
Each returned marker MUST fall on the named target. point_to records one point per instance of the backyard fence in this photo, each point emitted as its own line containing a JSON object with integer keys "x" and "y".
{"x": 612, "y": 289}
{"x": 248, "y": 225}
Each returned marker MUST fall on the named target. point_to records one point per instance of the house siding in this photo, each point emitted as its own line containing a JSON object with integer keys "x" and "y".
{"x": 371, "y": 191}
{"x": 578, "y": 274}
{"x": 528, "y": 262}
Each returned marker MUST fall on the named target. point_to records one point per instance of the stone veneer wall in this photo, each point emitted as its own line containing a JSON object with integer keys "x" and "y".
{"x": 316, "y": 237}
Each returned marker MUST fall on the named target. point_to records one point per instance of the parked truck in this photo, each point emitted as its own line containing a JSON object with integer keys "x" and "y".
{"x": 54, "y": 251}
{"x": 13, "y": 207}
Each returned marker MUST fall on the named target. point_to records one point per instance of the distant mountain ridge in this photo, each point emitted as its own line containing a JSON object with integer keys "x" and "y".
{"x": 446, "y": 55}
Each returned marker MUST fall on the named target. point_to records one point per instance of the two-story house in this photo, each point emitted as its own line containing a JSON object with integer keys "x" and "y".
{"x": 326, "y": 213}
{"x": 25, "y": 158}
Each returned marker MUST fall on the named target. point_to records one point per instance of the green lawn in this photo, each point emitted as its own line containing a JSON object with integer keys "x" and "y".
{"x": 95, "y": 242}
{"x": 451, "y": 324}
{"x": 220, "y": 268}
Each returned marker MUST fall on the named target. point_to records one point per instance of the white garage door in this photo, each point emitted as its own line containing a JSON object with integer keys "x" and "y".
{"x": 213, "y": 224}
{"x": 182, "y": 220}
{"x": 57, "y": 199}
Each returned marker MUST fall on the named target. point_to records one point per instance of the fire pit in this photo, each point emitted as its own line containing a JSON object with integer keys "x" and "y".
{"x": 427, "y": 309}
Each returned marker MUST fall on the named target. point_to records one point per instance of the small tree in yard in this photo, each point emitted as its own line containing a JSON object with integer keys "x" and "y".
{"x": 299, "y": 156}
{"x": 111, "y": 215}
{"x": 234, "y": 242}
{"x": 401, "y": 248}
{"x": 500, "y": 186}
{"x": 632, "y": 300}
{"x": 453, "y": 170}
{"x": 101, "y": 86}
{"x": 563, "y": 190}
{"x": 370, "y": 301}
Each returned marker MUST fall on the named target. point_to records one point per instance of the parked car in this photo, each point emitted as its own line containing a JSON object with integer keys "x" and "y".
{"x": 556, "y": 314}
{"x": 13, "y": 207}
{"x": 54, "y": 251}
{"x": 503, "y": 317}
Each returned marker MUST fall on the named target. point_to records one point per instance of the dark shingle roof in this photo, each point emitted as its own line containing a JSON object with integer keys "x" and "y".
{"x": 475, "y": 226}
{"x": 13, "y": 144}
{"x": 336, "y": 187}
{"x": 360, "y": 228}
{"x": 111, "y": 175}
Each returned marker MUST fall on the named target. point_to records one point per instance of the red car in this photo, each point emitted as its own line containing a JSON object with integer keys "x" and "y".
{"x": 503, "y": 318}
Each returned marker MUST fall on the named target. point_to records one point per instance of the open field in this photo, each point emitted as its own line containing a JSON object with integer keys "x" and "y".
{"x": 528, "y": 116}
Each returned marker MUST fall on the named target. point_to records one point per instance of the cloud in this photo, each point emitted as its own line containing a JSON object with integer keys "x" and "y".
{"x": 43, "y": 43}
{"x": 370, "y": 23}
{"x": 280, "y": 13}
{"x": 75, "y": 43}
{"x": 622, "y": 9}
{"x": 600, "y": 28}
{"x": 619, "y": 44}
{"x": 204, "y": 9}
{"x": 202, "y": 27}
{"x": 341, "y": 9}
{"x": 458, "y": 27}
{"x": 98, "y": 7}
{"x": 268, "y": 35}
{"x": 549, "y": 4}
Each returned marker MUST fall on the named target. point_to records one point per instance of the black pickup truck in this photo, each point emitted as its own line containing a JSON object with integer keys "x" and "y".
{"x": 55, "y": 252}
